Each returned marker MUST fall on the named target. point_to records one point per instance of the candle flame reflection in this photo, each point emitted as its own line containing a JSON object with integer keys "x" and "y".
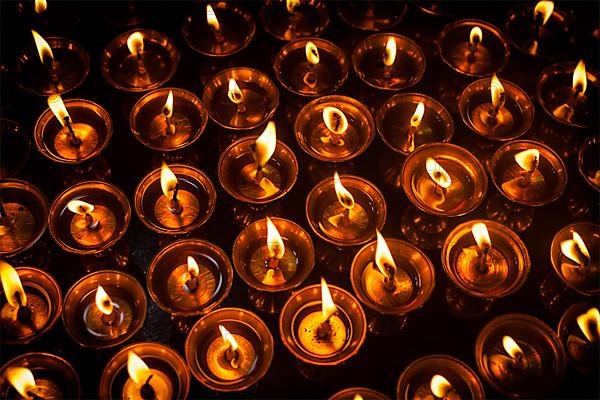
{"x": 168, "y": 180}
{"x": 417, "y": 117}
{"x": 545, "y": 9}
{"x": 580, "y": 78}
{"x": 80, "y": 207}
{"x": 476, "y": 35}
{"x": 135, "y": 43}
{"x": 575, "y": 249}
{"x": 137, "y": 369}
{"x": 40, "y": 6}
{"x": 11, "y": 284}
{"x": 58, "y": 108}
{"x": 498, "y": 93}
{"x": 228, "y": 338}
{"x": 103, "y": 302}
{"x": 344, "y": 196}
{"x": 528, "y": 159}
{"x": 328, "y": 307}
{"x": 274, "y": 241}
{"x": 211, "y": 18}
{"x": 312, "y": 53}
{"x": 335, "y": 120}
{"x": 21, "y": 379}
{"x": 389, "y": 55}
{"x": 511, "y": 347}
{"x": 439, "y": 386}
{"x": 437, "y": 173}
{"x": 265, "y": 145}
{"x": 383, "y": 257}
{"x": 481, "y": 235}
{"x": 589, "y": 323}
{"x": 43, "y": 48}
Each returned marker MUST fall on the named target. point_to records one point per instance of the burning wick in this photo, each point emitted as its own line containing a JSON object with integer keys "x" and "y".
{"x": 14, "y": 292}
{"x": 589, "y": 323}
{"x": 475, "y": 37}
{"x": 40, "y": 6}
{"x": 168, "y": 184}
{"x": 168, "y": 112}
{"x": 263, "y": 148}
{"x": 46, "y": 57}
{"x": 440, "y": 387}
{"x": 236, "y": 95}
{"x": 59, "y": 110}
{"x": 529, "y": 161}
{"x": 106, "y": 307}
{"x": 85, "y": 209}
{"x": 213, "y": 22}
{"x": 22, "y": 380}
{"x": 135, "y": 44}
{"x": 231, "y": 354}
{"x": 140, "y": 373}
{"x": 389, "y": 56}
{"x": 514, "y": 351}
{"x": 484, "y": 245}
{"x": 313, "y": 58}
{"x": 291, "y": 5}
{"x": 415, "y": 123}
{"x": 328, "y": 308}
{"x": 345, "y": 198}
{"x": 576, "y": 250}
{"x": 542, "y": 13}
{"x": 337, "y": 124}
{"x": 385, "y": 263}
{"x": 275, "y": 246}
{"x": 566, "y": 110}
{"x": 192, "y": 283}
{"x": 439, "y": 176}
{"x": 498, "y": 99}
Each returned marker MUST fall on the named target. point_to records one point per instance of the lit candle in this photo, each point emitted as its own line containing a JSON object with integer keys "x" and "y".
{"x": 475, "y": 38}
{"x": 478, "y": 259}
{"x": 584, "y": 272}
{"x": 28, "y": 387}
{"x": 576, "y": 250}
{"x": 47, "y": 59}
{"x": 92, "y": 225}
{"x": 213, "y": 22}
{"x": 192, "y": 285}
{"x": 415, "y": 123}
{"x": 389, "y": 56}
{"x": 442, "y": 388}
{"x": 236, "y": 96}
{"x": 40, "y": 6}
{"x": 231, "y": 357}
{"x": 566, "y": 111}
{"x": 135, "y": 44}
{"x": 583, "y": 350}
{"x": 107, "y": 318}
{"x": 145, "y": 383}
{"x": 21, "y": 312}
{"x": 512, "y": 366}
{"x": 589, "y": 323}
{"x": 176, "y": 207}
{"x": 337, "y": 124}
{"x": 312, "y": 56}
{"x": 541, "y": 14}
{"x": 528, "y": 161}
{"x": 439, "y": 177}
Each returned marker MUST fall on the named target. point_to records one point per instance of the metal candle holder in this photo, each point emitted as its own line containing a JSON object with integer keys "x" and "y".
{"x": 371, "y": 15}
{"x": 305, "y": 19}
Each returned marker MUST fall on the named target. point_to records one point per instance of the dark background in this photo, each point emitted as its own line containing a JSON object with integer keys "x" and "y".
{"x": 430, "y": 330}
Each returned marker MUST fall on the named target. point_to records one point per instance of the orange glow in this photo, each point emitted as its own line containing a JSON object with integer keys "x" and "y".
{"x": 589, "y": 323}
{"x": 383, "y": 257}
{"x": 168, "y": 108}
{"x": 21, "y": 379}
{"x": 328, "y": 307}
{"x": 274, "y": 241}
{"x": 40, "y": 6}
{"x": 103, "y": 302}
{"x": 481, "y": 235}
{"x": 265, "y": 145}
{"x": 440, "y": 386}
{"x": 168, "y": 180}
{"x": 357, "y": 397}
{"x": 234, "y": 92}
{"x": 389, "y": 56}
{"x": 80, "y": 207}
{"x": 291, "y": 5}
{"x": 344, "y": 196}
{"x": 437, "y": 173}
{"x": 43, "y": 48}
{"x": 575, "y": 249}
{"x": 58, "y": 108}
{"x": 417, "y": 117}
{"x": 543, "y": 8}
{"x": 580, "y": 77}
{"x": 192, "y": 265}
{"x": 137, "y": 369}
{"x": 476, "y": 35}
{"x": 135, "y": 43}
{"x": 312, "y": 53}
{"x": 211, "y": 18}
{"x": 11, "y": 284}
{"x": 498, "y": 94}
{"x": 335, "y": 120}
{"x": 511, "y": 347}
{"x": 528, "y": 159}
{"x": 228, "y": 338}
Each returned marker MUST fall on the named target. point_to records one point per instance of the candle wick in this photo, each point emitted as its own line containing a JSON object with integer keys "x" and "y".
{"x": 485, "y": 258}
{"x": 389, "y": 282}
{"x": 192, "y": 283}
{"x": 175, "y": 206}
{"x": 24, "y": 313}
{"x": 324, "y": 330}
{"x": 91, "y": 223}
{"x": 141, "y": 67}
{"x": 75, "y": 141}
{"x": 147, "y": 391}
{"x": 109, "y": 319}
{"x": 34, "y": 396}
{"x": 232, "y": 356}
{"x": 410, "y": 141}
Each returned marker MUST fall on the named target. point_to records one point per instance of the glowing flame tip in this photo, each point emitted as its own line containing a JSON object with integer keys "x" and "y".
{"x": 528, "y": 159}
{"x": 137, "y": 369}
{"x": 274, "y": 241}
{"x": 476, "y": 35}
{"x": 265, "y": 145}
{"x": 383, "y": 257}
{"x": 511, "y": 347}
{"x": 344, "y": 196}
{"x": 389, "y": 55}
{"x": 103, "y": 302}
{"x": 589, "y": 323}
{"x": 43, "y": 48}
{"x": 228, "y": 338}
{"x": 11, "y": 284}
{"x": 21, "y": 379}
{"x": 437, "y": 173}
{"x": 328, "y": 307}
{"x": 580, "y": 77}
{"x": 135, "y": 43}
{"x": 211, "y": 18}
{"x": 545, "y": 9}
{"x": 439, "y": 386}
{"x": 312, "y": 53}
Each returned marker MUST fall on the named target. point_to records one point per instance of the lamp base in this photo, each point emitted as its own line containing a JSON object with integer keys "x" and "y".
{"x": 385, "y": 324}
{"x": 424, "y": 230}
{"x": 244, "y": 214}
{"x": 267, "y": 302}
{"x": 334, "y": 259}
{"x": 97, "y": 169}
{"x": 462, "y": 304}
{"x": 556, "y": 296}
{"x": 515, "y": 216}
{"x": 117, "y": 257}
{"x": 38, "y": 256}
{"x": 183, "y": 324}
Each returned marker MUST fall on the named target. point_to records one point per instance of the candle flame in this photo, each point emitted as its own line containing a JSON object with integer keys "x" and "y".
{"x": 274, "y": 241}
{"x": 440, "y": 386}
{"x": 481, "y": 235}
{"x": 417, "y": 117}
{"x": 168, "y": 180}
{"x": 543, "y": 8}
{"x": 580, "y": 77}
{"x": 383, "y": 257}
{"x": 437, "y": 173}
{"x": 58, "y": 108}
{"x": 476, "y": 35}
{"x": 312, "y": 53}
{"x": 292, "y": 4}
{"x": 21, "y": 379}
{"x": 43, "y": 48}
{"x": 389, "y": 55}
{"x": 211, "y": 18}
{"x": 498, "y": 93}
{"x": 589, "y": 323}
{"x": 135, "y": 43}
{"x": 137, "y": 369}
{"x": 357, "y": 397}
{"x": 528, "y": 159}
{"x": 328, "y": 307}
{"x": 265, "y": 144}
{"x": 234, "y": 92}
{"x": 344, "y": 196}
{"x": 511, "y": 347}
{"x": 80, "y": 207}
{"x": 575, "y": 249}
{"x": 168, "y": 108}
{"x": 192, "y": 265}
{"x": 228, "y": 338}
{"x": 40, "y": 6}
{"x": 11, "y": 284}
{"x": 103, "y": 302}
{"x": 335, "y": 120}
